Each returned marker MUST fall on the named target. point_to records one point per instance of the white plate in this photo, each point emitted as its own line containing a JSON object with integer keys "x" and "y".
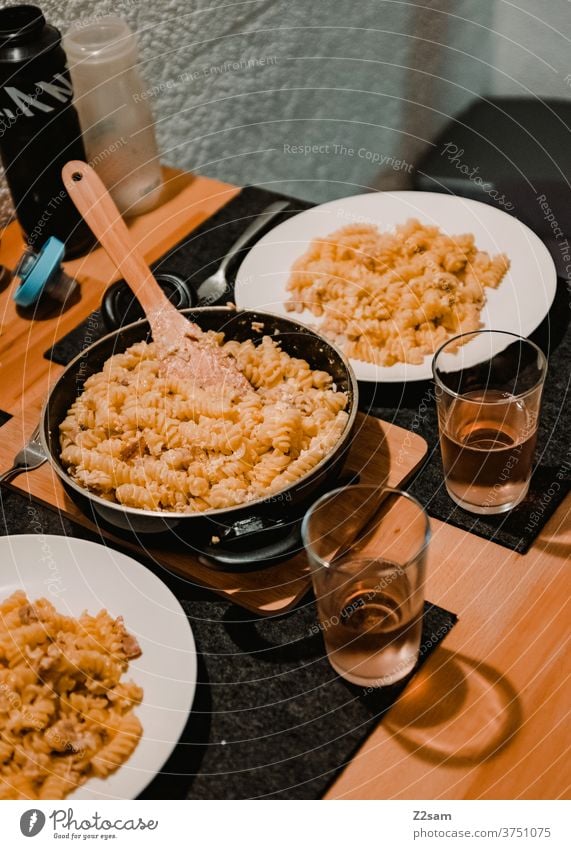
{"x": 76, "y": 575}
{"x": 518, "y": 305}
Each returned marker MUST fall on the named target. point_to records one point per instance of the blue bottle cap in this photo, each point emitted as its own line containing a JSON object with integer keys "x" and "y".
{"x": 37, "y": 272}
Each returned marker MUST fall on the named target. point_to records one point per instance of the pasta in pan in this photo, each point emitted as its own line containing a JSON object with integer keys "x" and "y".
{"x": 146, "y": 439}
{"x": 66, "y": 715}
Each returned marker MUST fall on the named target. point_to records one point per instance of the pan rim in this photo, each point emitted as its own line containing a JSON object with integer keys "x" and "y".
{"x": 171, "y": 515}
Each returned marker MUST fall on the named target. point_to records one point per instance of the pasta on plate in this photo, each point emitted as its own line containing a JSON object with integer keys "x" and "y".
{"x": 389, "y": 298}
{"x": 66, "y": 715}
{"x": 144, "y": 438}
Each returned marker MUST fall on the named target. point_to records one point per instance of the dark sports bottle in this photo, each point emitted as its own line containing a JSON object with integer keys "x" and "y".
{"x": 39, "y": 129}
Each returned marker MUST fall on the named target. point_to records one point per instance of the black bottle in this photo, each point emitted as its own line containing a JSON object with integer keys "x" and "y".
{"x": 39, "y": 128}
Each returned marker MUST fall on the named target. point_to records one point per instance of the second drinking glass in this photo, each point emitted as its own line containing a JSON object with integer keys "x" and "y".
{"x": 488, "y": 395}
{"x": 367, "y": 551}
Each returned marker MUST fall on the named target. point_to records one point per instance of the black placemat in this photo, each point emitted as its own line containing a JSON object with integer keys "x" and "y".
{"x": 4, "y": 417}
{"x": 77, "y": 340}
{"x": 199, "y": 254}
{"x": 270, "y": 716}
{"x": 410, "y": 406}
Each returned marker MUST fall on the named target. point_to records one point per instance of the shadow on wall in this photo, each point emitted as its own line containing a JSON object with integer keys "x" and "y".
{"x": 450, "y": 64}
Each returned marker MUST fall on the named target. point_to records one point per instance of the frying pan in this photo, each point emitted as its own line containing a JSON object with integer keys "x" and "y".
{"x": 247, "y": 536}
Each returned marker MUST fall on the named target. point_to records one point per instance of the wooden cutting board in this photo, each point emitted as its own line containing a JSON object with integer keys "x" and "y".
{"x": 381, "y": 453}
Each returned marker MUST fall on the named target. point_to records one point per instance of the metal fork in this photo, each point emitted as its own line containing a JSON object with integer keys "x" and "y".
{"x": 214, "y": 286}
{"x": 29, "y": 457}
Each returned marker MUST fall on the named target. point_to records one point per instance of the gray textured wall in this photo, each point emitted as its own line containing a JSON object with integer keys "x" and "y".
{"x": 379, "y": 77}
{"x": 531, "y": 48}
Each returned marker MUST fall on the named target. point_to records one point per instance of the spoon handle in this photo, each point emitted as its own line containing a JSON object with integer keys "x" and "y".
{"x": 262, "y": 220}
{"x": 98, "y": 209}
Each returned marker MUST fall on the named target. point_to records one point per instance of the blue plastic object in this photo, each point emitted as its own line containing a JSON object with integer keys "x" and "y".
{"x": 36, "y": 271}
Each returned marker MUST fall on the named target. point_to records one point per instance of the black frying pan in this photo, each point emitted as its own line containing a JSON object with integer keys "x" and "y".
{"x": 250, "y": 535}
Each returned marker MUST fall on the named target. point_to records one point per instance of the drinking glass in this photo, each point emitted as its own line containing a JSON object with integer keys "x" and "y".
{"x": 488, "y": 395}
{"x": 367, "y": 550}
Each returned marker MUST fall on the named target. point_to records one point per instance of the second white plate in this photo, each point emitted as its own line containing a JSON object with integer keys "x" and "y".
{"x": 76, "y": 575}
{"x": 518, "y": 305}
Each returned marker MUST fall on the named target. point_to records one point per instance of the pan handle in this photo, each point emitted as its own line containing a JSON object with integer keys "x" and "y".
{"x": 287, "y": 544}
{"x": 229, "y": 560}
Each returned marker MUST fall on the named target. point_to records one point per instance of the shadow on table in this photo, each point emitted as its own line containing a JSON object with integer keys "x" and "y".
{"x": 554, "y": 545}
{"x": 461, "y": 713}
{"x": 176, "y": 777}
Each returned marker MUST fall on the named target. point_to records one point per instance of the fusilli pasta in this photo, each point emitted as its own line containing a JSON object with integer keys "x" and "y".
{"x": 395, "y": 297}
{"x": 147, "y": 439}
{"x": 65, "y": 713}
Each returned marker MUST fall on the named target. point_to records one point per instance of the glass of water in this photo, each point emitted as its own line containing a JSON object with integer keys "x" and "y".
{"x": 367, "y": 550}
{"x": 488, "y": 394}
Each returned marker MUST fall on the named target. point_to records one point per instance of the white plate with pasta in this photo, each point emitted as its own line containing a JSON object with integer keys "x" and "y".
{"x": 389, "y": 276}
{"x": 91, "y": 705}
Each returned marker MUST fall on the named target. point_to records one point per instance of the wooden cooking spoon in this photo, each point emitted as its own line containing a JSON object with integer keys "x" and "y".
{"x": 183, "y": 347}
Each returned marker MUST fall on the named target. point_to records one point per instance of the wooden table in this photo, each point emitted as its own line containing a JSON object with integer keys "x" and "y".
{"x": 485, "y": 718}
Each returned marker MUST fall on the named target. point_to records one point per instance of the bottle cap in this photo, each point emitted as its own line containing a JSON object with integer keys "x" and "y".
{"x": 38, "y": 272}
{"x": 19, "y": 24}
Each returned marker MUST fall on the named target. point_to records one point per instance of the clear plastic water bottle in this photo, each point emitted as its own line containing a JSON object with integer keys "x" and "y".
{"x": 116, "y": 120}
